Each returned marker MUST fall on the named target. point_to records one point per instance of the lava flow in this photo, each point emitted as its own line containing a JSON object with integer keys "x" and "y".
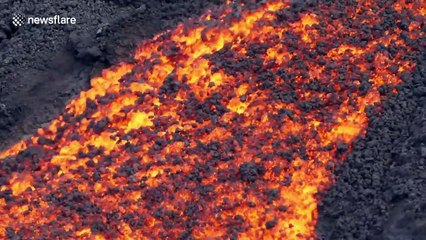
{"x": 227, "y": 126}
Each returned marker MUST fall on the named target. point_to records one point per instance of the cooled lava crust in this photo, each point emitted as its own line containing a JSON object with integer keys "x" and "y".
{"x": 228, "y": 126}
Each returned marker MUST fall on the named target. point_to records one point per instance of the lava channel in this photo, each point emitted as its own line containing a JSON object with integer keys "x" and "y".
{"x": 228, "y": 126}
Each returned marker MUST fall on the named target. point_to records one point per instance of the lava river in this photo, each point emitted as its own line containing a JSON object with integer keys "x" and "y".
{"x": 228, "y": 126}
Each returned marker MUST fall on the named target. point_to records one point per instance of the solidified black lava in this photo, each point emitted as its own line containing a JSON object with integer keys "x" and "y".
{"x": 380, "y": 191}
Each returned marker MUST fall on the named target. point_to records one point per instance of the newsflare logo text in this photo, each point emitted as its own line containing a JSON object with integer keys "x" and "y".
{"x": 19, "y": 20}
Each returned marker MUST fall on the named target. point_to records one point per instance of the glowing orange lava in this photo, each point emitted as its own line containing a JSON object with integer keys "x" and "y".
{"x": 227, "y": 126}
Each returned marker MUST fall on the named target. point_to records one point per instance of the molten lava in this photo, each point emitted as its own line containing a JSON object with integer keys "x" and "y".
{"x": 225, "y": 127}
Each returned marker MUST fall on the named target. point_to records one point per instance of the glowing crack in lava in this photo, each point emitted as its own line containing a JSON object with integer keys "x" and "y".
{"x": 224, "y": 127}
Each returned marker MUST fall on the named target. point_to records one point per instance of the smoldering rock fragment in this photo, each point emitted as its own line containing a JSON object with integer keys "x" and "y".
{"x": 271, "y": 224}
{"x": 251, "y": 171}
